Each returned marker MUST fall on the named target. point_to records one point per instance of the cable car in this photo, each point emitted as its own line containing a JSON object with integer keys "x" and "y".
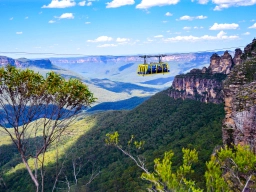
{"x": 153, "y": 67}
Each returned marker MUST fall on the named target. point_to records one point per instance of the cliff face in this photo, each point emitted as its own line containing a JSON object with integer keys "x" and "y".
{"x": 24, "y": 63}
{"x": 239, "y": 125}
{"x": 205, "y": 85}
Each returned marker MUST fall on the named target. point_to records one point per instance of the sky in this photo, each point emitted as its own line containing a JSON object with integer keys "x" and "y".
{"x": 63, "y": 28}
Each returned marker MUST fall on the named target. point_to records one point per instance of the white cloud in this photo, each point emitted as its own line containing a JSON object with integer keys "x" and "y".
{"x": 253, "y": 26}
{"x": 224, "y": 4}
{"x": 26, "y": 17}
{"x": 220, "y": 36}
{"x": 122, "y": 40}
{"x": 66, "y": 16}
{"x": 51, "y": 21}
{"x": 165, "y": 21}
{"x": 186, "y": 17}
{"x": 11, "y": 18}
{"x": 107, "y": 45}
{"x": 149, "y": 40}
{"x": 201, "y": 1}
{"x": 186, "y": 28}
{"x": 189, "y": 18}
{"x": 89, "y": 3}
{"x": 60, "y": 4}
{"x": 82, "y": 3}
{"x": 168, "y": 14}
{"x": 19, "y": 33}
{"x": 201, "y": 17}
{"x": 158, "y": 36}
{"x": 246, "y": 33}
{"x": 119, "y": 3}
{"x": 87, "y": 22}
{"x": 101, "y": 39}
{"x": 224, "y": 26}
{"x": 145, "y": 4}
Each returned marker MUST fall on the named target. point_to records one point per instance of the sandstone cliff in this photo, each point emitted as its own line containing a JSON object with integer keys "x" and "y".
{"x": 25, "y": 63}
{"x": 239, "y": 125}
{"x": 205, "y": 85}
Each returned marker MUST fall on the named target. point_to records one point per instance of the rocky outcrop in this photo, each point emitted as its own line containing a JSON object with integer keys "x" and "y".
{"x": 237, "y": 57}
{"x": 204, "y": 85}
{"x": 239, "y": 125}
{"x": 25, "y": 63}
{"x": 221, "y": 64}
{"x": 198, "y": 85}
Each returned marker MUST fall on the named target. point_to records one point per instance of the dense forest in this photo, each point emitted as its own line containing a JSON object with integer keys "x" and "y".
{"x": 161, "y": 122}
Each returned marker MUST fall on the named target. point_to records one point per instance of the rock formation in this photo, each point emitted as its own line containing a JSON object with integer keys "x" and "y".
{"x": 239, "y": 125}
{"x": 204, "y": 85}
{"x": 199, "y": 85}
{"x": 25, "y": 63}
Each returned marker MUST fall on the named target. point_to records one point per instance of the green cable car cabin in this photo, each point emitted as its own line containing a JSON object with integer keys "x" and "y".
{"x": 153, "y": 67}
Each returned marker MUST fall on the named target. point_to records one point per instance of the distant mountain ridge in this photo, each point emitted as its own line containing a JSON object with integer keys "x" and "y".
{"x": 26, "y": 63}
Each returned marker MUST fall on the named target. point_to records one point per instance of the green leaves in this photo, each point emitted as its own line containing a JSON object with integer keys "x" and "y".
{"x": 112, "y": 139}
{"x": 230, "y": 169}
{"x": 164, "y": 178}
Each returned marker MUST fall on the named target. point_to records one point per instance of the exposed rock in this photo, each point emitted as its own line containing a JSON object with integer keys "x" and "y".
{"x": 202, "y": 87}
{"x": 237, "y": 57}
{"x": 239, "y": 125}
{"x": 221, "y": 64}
{"x": 25, "y": 63}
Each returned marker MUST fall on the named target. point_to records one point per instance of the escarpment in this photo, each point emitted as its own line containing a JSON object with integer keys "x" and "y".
{"x": 229, "y": 80}
{"x": 205, "y": 85}
{"x": 239, "y": 125}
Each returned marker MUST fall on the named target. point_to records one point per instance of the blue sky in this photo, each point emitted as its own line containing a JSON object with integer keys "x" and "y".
{"x": 124, "y": 27}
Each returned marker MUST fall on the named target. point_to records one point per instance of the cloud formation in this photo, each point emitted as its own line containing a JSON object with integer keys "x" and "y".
{"x": 168, "y": 14}
{"x": 186, "y": 28}
{"x": 122, "y": 40}
{"x": 158, "y": 36}
{"x": 51, "y": 21}
{"x": 101, "y": 39}
{"x": 190, "y": 18}
{"x": 66, "y": 16}
{"x": 107, "y": 45}
{"x": 145, "y": 4}
{"x": 246, "y": 33}
{"x": 201, "y": 1}
{"x": 19, "y": 33}
{"x": 224, "y": 4}
{"x": 224, "y": 26}
{"x": 253, "y": 26}
{"x": 119, "y": 3}
{"x": 83, "y": 3}
{"x": 220, "y": 36}
{"x": 60, "y": 4}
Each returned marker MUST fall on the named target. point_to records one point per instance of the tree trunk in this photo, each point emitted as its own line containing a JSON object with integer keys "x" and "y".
{"x": 31, "y": 174}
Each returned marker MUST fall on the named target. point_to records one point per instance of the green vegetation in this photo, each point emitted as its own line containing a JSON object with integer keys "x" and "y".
{"x": 230, "y": 169}
{"x": 163, "y": 123}
{"x": 39, "y": 110}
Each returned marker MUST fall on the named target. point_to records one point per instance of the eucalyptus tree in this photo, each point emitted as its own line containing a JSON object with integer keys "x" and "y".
{"x": 35, "y": 112}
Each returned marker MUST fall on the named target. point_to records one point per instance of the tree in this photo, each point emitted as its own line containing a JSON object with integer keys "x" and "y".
{"x": 231, "y": 169}
{"x": 38, "y": 110}
{"x": 163, "y": 178}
